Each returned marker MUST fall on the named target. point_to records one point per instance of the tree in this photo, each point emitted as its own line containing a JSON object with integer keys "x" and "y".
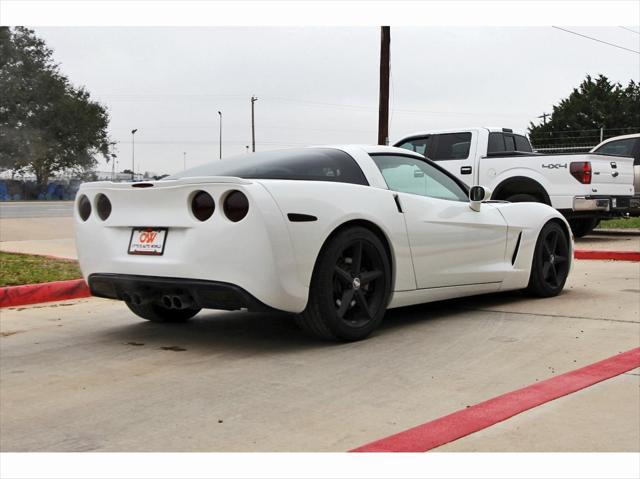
{"x": 593, "y": 105}
{"x": 46, "y": 124}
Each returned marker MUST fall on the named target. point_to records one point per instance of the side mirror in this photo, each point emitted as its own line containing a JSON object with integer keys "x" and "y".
{"x": 477, "y": 194}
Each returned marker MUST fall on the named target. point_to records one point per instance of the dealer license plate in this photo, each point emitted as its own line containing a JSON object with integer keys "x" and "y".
{"x": 147, "y": 241}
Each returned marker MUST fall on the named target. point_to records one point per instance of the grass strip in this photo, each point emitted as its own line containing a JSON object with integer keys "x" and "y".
{"x": 18, "y": 268}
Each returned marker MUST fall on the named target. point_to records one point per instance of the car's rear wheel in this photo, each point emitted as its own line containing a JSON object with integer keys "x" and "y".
{"x": 350, "y": 287}
{"x": 159, "y": 314}
{"x": 583, "y": 226}
{"x": 551, "y": 262}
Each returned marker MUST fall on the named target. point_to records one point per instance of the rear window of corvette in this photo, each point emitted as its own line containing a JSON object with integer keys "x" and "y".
{"x": 311, "y": 164}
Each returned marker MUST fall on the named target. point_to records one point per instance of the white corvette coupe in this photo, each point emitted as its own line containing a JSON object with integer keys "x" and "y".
{"x": 335, "y": 234}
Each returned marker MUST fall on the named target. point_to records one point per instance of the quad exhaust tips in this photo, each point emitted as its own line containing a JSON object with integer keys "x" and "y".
{"x": 169, "y": 301}
{"x": 136, "y": 299}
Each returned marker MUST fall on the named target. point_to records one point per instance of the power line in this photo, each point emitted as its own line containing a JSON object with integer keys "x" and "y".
{"x": 400, "y": 110}
{"x": 196, "y": 96}
{"x": 596, "y": 39}
{"x": 630, "y": 30}
{"x": 205, "y": 142}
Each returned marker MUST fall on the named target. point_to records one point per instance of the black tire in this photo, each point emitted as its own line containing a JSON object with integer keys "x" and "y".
{"x": 353, "y": 269}
{"x": 159, "y": 314}
{"x": 551, "y": 262}
{"x": 523, "y": 198}
{"x": 583, "y": 226}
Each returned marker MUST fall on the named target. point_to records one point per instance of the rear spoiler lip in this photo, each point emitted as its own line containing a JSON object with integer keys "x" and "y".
{"x": 186, "y": 181}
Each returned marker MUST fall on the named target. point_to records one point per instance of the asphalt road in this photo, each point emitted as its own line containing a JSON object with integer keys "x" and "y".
{"x": 87, "y": 375}
{"x": 36, "y": 209}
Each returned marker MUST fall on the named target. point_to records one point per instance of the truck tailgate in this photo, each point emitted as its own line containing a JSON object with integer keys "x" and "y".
{"x": 611, "y": 170}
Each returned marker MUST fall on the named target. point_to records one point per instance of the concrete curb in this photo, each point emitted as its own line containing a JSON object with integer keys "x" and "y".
{"x": 43, "y": 292}
{"x": 607, "y": 255}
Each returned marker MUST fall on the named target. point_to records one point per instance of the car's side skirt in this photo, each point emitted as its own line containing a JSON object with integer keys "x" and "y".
{"x": 427, "y": 295}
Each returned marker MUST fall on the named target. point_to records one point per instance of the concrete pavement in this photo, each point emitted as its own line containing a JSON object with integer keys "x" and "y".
{"x": 588, "y": 413}
{"x": 611, "y": 242}
{"x": 87, "y": 375}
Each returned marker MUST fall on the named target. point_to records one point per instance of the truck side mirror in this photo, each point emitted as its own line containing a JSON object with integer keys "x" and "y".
{"x": 477, "y": 194}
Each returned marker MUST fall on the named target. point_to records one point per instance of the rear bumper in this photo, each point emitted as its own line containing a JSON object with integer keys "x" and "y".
{"x": 602, "y": 204}
{"x": 203, "y": 293}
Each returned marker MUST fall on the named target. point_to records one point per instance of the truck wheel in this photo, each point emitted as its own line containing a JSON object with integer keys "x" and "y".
{"x": 523, "y": 198}
{"x": 583, "y": 226}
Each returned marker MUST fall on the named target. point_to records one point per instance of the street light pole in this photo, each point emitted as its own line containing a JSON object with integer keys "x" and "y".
{"x": 220, "y": 140}
{"x": 253, "y": 124}
{"x": 133, "y": 154}
{"x": 184, "y": 159}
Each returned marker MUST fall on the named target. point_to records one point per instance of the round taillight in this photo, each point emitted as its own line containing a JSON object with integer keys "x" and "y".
{"x": 84, "y": 207}
{"x": 202, "y": 205}
{"x": 236, "y": 206}
{"x": 103, "y": 206}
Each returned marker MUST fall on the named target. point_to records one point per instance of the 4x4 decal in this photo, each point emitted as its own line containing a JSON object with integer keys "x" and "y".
{"x": 554, "y": 166}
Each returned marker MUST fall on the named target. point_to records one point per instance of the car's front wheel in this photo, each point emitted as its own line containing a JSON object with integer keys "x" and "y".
{"x": 159, "y": 314}
{"x": 551, "y": 261}
{"x": 350, "y": 287}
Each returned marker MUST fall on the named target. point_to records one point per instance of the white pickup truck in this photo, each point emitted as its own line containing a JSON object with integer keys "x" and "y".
{"x": 584, "y": 187}
{"x": 627, "y": 146}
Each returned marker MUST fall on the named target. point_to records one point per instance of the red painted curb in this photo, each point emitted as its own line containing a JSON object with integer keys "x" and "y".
{"x": 43, "y": 292}
{"x": 480, "y": 416}
{"x": 616, "y": 255}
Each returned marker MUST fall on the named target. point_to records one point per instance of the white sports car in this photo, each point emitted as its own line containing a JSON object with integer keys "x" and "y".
{"x": 335, "y": 234}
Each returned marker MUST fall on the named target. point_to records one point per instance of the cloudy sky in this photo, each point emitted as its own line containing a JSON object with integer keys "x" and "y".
{"x": 320, "y": 85}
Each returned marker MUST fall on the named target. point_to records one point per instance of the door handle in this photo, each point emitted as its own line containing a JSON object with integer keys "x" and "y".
{"x": 465, "y": 170}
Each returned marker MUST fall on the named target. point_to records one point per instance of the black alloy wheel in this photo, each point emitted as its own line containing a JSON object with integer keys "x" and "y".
{"x": 358, "y": 283}
{"x": 551, "y": 261}
{"x": 350, "y": 287}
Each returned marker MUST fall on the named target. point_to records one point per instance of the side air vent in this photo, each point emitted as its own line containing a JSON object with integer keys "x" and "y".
{"x": 398, "y": 205}
{"x": 300, "y": 218}
{"x": 141, "y": 185}
{"x": 517, "y": 248}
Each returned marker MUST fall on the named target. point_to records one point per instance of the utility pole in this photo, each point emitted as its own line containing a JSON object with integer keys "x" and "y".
{"x": 544, "y": 117}
{"x": 184, "y": 160}
{"x": 133, "y": 154}
{"x": 220, "y": 141}
{"x": 253, "y": 124}
{"x": 383, "y": 108}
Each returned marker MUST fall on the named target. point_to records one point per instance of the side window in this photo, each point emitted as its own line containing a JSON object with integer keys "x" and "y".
{"x": 450, "y": 146}
{"x": 619, "y": 147}
{"x": 412, "y": 175}
{"x": 509, "y": 144}
{"x": 419, "y": 145}
{"x": 522, "y": 144}
{"x": 496, "y": 143}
